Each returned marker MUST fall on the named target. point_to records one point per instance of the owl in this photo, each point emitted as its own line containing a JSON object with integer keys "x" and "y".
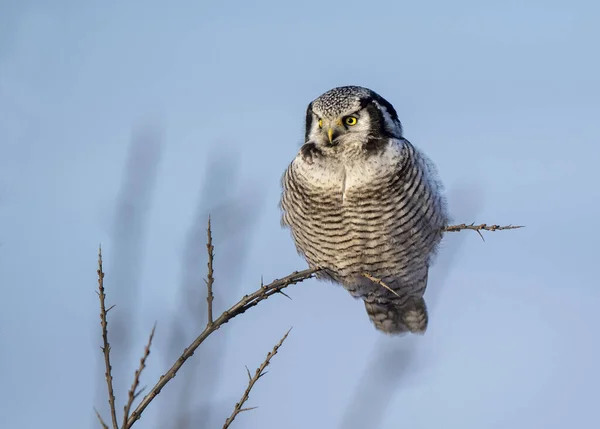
{"x": 365, "y": 206}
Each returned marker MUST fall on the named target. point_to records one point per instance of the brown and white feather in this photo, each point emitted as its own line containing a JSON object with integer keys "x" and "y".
{"x": 373, "y": 208}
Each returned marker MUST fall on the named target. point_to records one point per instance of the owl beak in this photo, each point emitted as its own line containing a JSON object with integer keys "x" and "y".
{"x": 330, "y": 135}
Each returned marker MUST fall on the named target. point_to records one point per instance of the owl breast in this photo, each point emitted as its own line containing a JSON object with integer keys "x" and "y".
{"x": 377, "y": 214}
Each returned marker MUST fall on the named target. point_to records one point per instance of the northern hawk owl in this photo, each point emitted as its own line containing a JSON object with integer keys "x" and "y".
{"x": 365, "y": 206}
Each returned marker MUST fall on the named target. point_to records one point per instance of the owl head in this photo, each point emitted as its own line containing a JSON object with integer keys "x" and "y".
{"x": 350, "y": 114}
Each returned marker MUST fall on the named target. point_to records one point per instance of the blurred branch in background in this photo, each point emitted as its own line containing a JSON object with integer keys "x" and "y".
{"x": 129, "y": 233}
{"x": 234, "y": 208}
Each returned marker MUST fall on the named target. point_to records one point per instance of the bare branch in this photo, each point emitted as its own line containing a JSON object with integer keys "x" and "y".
{"x": 247, "y": 302}
{"x": 133, "y": 391}
{"x": 451, "y": 228}
{"x": 260, "y": 371}
{"x": 482, "y": 227}
{"x": 379, "y": 282}
{"x": 210, "y": 277}
{"x": 106, "y": 345}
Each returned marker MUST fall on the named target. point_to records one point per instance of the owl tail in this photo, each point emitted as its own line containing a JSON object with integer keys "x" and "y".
{"x": 394, "y": 318}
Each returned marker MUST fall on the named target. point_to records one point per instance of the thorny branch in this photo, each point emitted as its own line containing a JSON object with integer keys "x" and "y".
{"x": 483, "y": 226}
{"x": 260, "y": 371}
{"x": 106, "y": 345}
{"x": 133, "y": 391}
{"x": 247, "y": 302}
{"x": 479, "y": 228}
{"x": 210, "y": 276}
{"x": 451, "y": 228}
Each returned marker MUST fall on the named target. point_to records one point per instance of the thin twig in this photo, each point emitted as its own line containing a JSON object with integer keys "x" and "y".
{"x": 247, "y": 302}
{"x": 380, "y": 282}
{"x": 260, "y": 371}
{"x": 210, "y": 277}
{"x": 479, "y": 228}
{"x": 104, "y": 425}
{"x": 133, "y": 391}
{"x": 106, "y": 345}
{"x": 452, "y": 228}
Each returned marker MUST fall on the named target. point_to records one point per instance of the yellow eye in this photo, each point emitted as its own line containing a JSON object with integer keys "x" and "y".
{"x": 320, "y": 123}
{"x": 350, "y": 120}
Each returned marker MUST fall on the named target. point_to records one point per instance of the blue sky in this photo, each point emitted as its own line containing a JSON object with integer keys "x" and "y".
{"x": 126, "y": 124}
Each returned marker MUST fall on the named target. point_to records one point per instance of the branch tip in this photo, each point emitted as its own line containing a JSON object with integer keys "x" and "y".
{"x": 210, "y": 276}
{"x": 105, "y": 343}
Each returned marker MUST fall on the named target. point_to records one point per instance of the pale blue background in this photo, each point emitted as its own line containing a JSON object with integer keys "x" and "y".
{"x": 210, "y": 97}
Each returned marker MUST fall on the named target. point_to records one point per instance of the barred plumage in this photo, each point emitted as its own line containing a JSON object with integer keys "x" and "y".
{"x": 359, "y": 198}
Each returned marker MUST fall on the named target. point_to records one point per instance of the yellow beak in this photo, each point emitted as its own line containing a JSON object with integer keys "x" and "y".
{"x": 330, "y": 135}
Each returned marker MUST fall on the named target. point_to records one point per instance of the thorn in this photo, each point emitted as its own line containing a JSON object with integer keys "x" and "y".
{"x": 481, "y": 235}
{"x": 380, "y": 282}
{"x": 284, "y": 294}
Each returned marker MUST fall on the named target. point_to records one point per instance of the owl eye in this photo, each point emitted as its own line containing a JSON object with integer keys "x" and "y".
{"x": 350, "y": 120}
{"x": 320, "y": 123}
